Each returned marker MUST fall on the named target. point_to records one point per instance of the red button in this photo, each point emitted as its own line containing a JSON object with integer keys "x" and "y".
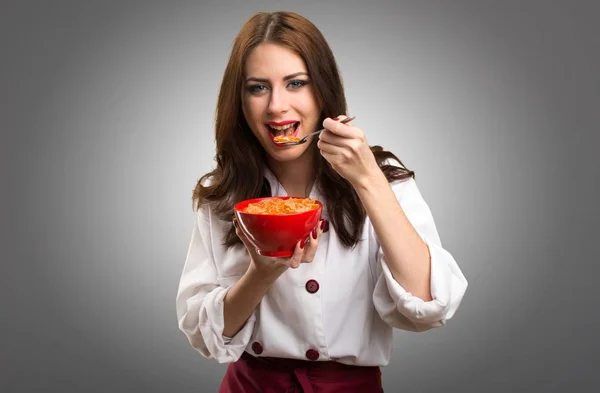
{"x": 312, "y": 354}
{"x": 312, "y": 286}
{"x": 257, "y": 347}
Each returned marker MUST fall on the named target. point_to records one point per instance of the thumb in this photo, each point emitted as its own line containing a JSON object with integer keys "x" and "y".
{"x": 239, "y": 231}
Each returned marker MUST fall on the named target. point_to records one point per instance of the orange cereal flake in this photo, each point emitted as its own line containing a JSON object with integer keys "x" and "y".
{"x": 282, "y": 206}
{"x": 283, "y": 138}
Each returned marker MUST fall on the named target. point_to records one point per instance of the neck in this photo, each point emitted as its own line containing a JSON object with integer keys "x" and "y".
{"x": 296, "y": 177}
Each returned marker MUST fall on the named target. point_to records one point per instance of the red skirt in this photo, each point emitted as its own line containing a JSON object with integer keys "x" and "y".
{"x": 252, "y": 374}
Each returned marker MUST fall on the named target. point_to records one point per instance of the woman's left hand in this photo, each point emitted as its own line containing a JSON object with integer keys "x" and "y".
{"x": 345, "y": 147}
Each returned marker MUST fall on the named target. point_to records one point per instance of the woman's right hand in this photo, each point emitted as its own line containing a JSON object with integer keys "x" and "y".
{"x": 303, "y": 253}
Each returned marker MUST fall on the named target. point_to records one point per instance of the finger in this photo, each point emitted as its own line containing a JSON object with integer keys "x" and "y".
{"x": 331, "y": 149}
{"x": 333, "y": 139}
{"x": 296, "y": 259}
{"x": 333, "y": 159}
{"x": 343, "y": 130}
{"x": 311, "y": 248}
{"x": 241, "y": 233}
{"x": 342, "y": 117}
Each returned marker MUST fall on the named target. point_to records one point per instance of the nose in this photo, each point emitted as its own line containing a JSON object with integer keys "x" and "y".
{"x": 278, "y": 102}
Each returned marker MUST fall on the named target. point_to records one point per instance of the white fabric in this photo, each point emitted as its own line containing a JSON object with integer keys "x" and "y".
{"x": 349, "y": 319}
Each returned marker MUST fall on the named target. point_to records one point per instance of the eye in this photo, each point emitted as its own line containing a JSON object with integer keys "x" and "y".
{"x": 296, "y": 84}
{"x": 256, "y": 88}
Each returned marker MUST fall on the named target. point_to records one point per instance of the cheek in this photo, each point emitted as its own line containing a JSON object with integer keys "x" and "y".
{"x": 251, "y": 112}
{"x": 311, "y": 101}
{"x": 247, "y": 108}
{"x": 311, "y": 109}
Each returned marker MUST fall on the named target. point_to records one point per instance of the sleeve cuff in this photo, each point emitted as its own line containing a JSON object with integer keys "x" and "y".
{"x": 224, "y": 349}
{"x": 443, "y": 282}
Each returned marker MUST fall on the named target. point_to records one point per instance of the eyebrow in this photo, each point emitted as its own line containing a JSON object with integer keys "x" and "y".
{"x": 285, "y": 78}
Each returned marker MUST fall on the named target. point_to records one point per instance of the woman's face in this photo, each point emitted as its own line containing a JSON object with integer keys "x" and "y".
{"x": 278, "y": 99}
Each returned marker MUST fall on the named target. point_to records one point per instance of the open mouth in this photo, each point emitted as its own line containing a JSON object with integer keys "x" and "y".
{"x": 285, "y": 133}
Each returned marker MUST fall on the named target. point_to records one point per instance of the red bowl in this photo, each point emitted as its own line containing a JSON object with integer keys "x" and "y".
{"x": 276, "y": 235}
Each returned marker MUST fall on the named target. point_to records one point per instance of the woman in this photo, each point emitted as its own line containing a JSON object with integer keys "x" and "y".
{"x": 322, "y": 320}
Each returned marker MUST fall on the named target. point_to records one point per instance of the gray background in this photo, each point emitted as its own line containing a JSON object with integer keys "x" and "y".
{"x": 106, "y": 113}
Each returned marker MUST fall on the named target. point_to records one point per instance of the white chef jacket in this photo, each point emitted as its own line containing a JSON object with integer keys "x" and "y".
{"x": 343, "y": 306}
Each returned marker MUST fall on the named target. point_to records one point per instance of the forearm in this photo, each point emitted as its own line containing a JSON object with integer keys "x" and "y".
{"x": 241, "y": 300}
{"x": 406, "y": 253}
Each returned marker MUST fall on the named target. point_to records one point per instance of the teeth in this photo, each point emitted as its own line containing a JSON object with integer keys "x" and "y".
{"x": 286, "y": 130}
{"x": 283, "y": 127}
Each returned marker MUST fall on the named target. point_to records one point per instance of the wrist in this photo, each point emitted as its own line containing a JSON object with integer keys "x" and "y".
{"x": 265, "y": 275}
{"x": 372, "y": 180}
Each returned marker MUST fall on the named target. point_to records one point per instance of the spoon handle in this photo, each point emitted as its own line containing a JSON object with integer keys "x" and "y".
{"x": 344, "y": 121}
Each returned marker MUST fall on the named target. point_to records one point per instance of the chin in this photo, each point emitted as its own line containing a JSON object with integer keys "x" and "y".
{"x": 291, "y": 154}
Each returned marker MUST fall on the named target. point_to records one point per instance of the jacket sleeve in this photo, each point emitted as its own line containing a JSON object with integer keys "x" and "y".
{"x": 199, "y": 301}
{"x": 398, "y": 307}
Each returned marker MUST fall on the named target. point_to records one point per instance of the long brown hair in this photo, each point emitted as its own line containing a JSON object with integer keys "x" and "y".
{"x": 241, "y": 159}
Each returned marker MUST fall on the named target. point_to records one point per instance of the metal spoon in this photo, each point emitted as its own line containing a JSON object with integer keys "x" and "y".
{"x": 304, "y": 140}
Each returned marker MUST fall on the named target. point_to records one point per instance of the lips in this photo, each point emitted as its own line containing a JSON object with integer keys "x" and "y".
{"x": 282, "y": 123}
